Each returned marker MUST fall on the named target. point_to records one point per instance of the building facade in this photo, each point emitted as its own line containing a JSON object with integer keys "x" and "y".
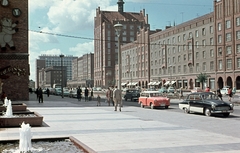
{"x": 83, "y": 70}
{"x": 208, "y": 44}
{"x": 227, "y": 44}
{"x": 46, "y": 61}
{"x": 106, "y": 40}
{"x": 14, "y": 62}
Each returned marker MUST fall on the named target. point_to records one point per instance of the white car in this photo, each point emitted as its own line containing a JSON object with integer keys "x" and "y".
{"x": 224, "y": 90}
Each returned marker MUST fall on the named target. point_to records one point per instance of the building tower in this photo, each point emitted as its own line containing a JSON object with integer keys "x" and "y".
{"x": 106, "y": 41}
{"x": 120, "y": 6}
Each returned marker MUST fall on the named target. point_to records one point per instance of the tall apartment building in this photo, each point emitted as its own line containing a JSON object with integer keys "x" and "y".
{"x": 208, "y": 44}
{"x": 227, "y": 44}
{"x": 174, "y": 55}
{"x": 46, "y": 61}
{"x": 83, "y": 70}
{"x": 106, "y": 40}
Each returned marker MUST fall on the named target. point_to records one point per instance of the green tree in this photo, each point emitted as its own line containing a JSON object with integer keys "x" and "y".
{"x": 202, "y": 77}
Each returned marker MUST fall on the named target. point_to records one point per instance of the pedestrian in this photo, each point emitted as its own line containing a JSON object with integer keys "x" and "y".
{"x": 79, "y": 93}
{"x": 48, "y": 92}
{"x": 230, "y": 94}
{"x": 219, "y": 94}
{"x": 98, "y": 100}
{"x": 91, "y": 94}
{"x": 36, "y": 92}
{"x": 108, "y": 96}
{"x": 86, "y": 94}
{"x": 111, "y": 95}
{"x": 117, "y": 97}
{"x": 180, "y": 93}
{"x": 207, "y": 89}
{"x": 40, "y": 95}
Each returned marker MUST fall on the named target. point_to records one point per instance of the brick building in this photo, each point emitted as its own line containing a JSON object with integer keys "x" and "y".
{"x": 106, "y": 40}
{"x": 14, "y": 63}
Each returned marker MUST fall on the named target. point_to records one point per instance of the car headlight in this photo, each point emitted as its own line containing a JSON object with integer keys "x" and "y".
{"x": 213, "y": 106}
{"x": 231, "y": 105}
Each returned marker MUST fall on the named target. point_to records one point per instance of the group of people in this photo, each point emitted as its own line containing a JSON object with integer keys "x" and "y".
{"x": 86, "y": 94}
{"x": 114, "y": 96}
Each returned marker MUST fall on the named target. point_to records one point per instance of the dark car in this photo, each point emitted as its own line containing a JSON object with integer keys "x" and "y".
{"x": 206, "y": 103}
{"x": 132, "y": 94}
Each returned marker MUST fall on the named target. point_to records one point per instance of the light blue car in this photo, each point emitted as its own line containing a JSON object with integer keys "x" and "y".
{"x": 163, "y": 90}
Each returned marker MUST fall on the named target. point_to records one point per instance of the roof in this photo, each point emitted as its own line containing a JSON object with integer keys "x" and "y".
{"x": 150, "y": 92}
{"x": 110, "y": 16}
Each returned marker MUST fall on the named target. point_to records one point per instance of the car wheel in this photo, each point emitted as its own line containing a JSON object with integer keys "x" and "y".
{"x": 142, "y": 105}
{"x": 166, "y": 107}
{"x": 226, "y": 114}
{"x": 207, "y": 112}
{"x": 152, "y": 107}
{"x": 185, "y": 110}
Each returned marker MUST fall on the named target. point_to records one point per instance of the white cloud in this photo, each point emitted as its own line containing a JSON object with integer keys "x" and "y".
{"x": 81, "y": 49}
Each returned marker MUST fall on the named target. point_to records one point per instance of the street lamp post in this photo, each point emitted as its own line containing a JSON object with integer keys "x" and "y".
{"x": 118, "y": 28}
{"x": 61, "y": 56}
{"x": 170, "y": 74}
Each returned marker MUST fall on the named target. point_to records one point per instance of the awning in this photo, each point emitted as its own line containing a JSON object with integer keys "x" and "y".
{"x": 150, "y": 83}
{"x": 123, "y": 84}
{"x": 157, "y": 83}
{"x": 172, "y": 82}
{"x": 132, "y": 84}
{"x": 166, "y": 83}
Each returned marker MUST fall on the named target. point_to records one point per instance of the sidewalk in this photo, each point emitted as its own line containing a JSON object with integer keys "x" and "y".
{"x": 107, "y": 131}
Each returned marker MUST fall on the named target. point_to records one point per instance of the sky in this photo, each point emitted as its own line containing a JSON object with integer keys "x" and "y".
{"x": 67, "y": 26}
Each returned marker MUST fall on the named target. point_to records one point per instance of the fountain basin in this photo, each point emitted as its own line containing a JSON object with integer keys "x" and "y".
{"x": 15, "y": 107}
{"x": 44, "y": 143}
{"x": 34, "y": 120}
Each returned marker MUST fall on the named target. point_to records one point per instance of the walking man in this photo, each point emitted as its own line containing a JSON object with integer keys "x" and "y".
{"x": 79, "y": 94}
{"x": 117, "y": 97}
{"x": 86, "y": 94}
{"x": 40, "y": 95}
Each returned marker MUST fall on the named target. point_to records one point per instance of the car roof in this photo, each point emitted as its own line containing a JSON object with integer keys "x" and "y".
{"x": 150, "y": 92}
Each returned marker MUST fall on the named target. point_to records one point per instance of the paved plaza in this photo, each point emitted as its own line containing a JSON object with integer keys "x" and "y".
{"x": 107, "y": 131}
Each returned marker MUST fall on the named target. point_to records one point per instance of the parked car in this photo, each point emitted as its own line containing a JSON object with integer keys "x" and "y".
{"x": 153, "y": 99}
{"x": 72, "y": 94}
{"x": 196, "y": 89}
{"x": 58, "y": 91}
{"x": 65, "y": 92}
{"x": 206, "y": 103}
{"x": 171, "y": 90}
{"x": 163, "y": 90}
{"x": 132, "y": 94}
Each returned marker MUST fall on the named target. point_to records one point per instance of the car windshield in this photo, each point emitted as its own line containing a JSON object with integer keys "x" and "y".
{"x": 155, "y": 94}
{"x": 133, "y": 91}
{"x": 209, "y": 96}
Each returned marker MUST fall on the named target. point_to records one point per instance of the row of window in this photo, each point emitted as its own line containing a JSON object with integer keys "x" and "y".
{"x": 184, "y": 37}
{"x": 228, "y": 24}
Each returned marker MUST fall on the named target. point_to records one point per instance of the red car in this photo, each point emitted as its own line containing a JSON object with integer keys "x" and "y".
{"x": 153, "y": 99}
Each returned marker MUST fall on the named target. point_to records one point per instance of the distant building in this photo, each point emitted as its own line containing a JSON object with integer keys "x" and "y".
{"x": 83, "y": 71}
{"x": 46, "y": 61}
{"x": 106, "y": 40}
